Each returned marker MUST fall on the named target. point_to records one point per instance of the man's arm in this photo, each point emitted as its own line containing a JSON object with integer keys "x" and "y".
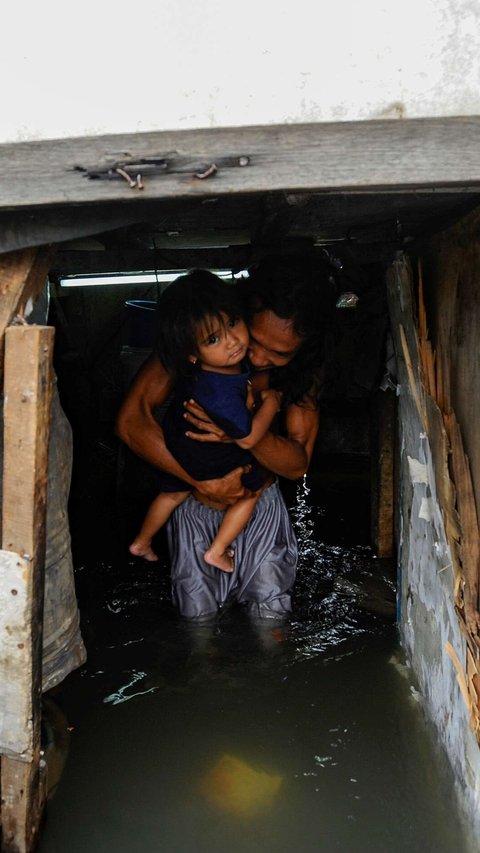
{"x": 136, "y": 424}
{"x": 290, "y": 456}
{"x": 286, "y": 456}
{"x": 137, "y": 427}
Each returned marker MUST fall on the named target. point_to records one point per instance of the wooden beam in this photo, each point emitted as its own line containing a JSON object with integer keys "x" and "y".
{"x": 358, "y": 155}
{"x": 469, "y": 539}
{"x": 383, "y": 472}
{"x": 28, "y": 387}
{"x": 16, "y": 736}
{"x": 421, "y": 211}
{"x": 60, "y": 223}
{"x": 22, "y": 277}
{"x": 74, "y": 262}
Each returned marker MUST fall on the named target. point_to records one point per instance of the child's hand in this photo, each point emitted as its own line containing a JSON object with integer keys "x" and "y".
{"x": 250, "y": 401}
{"x": 199, "y": 418}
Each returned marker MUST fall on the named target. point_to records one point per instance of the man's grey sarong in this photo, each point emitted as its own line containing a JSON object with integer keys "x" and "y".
{"x": 265, "y": 560}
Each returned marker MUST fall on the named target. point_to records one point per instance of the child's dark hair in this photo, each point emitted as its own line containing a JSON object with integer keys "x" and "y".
{"x": 191, "y": 300}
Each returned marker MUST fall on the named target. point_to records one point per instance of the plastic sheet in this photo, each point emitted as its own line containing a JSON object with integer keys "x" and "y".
{"x": 63, "y": 648}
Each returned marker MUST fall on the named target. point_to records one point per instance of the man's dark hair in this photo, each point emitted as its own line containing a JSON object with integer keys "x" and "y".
{"x": 190, "y": 301}
{"x": 302, "y": 290}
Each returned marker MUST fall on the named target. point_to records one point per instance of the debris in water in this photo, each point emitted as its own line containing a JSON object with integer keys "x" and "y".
{"x": 234, "y": 786}
{"x": 416, "y": 695}
{"x": 401, "y": 667}
{"x": 122, "y": 696}
{"x": 322, "y": 760}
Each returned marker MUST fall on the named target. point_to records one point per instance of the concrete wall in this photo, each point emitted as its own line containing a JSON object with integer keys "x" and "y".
{"x": 107, "y": 68}
{"x": 428, "y": 620}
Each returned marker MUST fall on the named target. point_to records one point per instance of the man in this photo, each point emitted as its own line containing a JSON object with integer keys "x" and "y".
{"x": 289, "y": 314}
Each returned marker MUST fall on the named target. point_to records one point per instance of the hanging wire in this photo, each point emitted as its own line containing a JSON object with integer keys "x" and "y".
{"x": 155, "y": 261}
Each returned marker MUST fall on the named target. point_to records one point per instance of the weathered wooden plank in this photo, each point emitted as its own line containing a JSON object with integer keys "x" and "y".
{"x": 445, "y": 490}
{"x": 415, "y": 388}
{"x": 345, "y": 155}
{"x": 56, "y": 224}
{"x": 427, "y": 356}
{"x": 16, "y": 735}
{"x": 469, "y": 540}
{"x": 28, "y": 387}
{"x": 383, "y": 471}
{"x": 23, "y": 802}
{"x": 22, "y": 277}
{"x": 427, "y": 207}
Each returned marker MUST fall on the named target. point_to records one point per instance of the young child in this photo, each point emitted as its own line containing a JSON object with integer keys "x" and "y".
{"x": 202, "y": 343}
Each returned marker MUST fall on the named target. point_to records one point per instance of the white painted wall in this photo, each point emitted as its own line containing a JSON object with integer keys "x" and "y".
{"x": 155, "y": 65}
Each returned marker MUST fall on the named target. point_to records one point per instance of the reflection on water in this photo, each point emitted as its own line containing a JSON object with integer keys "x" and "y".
{"x": 242, "y": 738}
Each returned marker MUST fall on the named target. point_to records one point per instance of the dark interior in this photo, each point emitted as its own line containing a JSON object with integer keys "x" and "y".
{"x": 99, "y": 346}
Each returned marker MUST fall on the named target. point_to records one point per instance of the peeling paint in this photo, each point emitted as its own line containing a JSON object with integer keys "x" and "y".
{"x": 418, "y": 471}
{"x": 427, "y": 509}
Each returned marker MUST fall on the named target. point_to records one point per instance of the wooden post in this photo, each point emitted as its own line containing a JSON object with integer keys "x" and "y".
{"x": 28, "y": 387}
{"x": 22, "y": 277}
{"x": 382, "y": 473}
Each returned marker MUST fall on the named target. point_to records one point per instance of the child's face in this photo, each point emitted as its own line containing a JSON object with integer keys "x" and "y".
{"x": 222, "y": 344}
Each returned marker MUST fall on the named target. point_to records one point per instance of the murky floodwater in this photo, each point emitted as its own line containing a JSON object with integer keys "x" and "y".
{"x": 240, "y": 739}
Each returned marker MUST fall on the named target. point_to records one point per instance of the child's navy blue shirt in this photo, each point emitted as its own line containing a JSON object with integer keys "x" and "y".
{"x": 223, "y": 396}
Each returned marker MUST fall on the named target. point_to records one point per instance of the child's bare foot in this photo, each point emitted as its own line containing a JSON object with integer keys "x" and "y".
{"x": 220, "y": 559}
{"x": 142, "y": 549}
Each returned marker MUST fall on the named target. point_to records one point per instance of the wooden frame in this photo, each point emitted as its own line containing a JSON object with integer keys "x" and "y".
{"x": 28, "y": 388}
{"x": 361, "y": 155}
{"x": 76, "y": 187}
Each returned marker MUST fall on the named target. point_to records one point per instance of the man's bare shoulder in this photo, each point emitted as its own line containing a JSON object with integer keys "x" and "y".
{"x": 150, "y": 388}
{"x": 151, "y": 367}
{"x": 152, "y": 374}
{"x": 302, "y": 422}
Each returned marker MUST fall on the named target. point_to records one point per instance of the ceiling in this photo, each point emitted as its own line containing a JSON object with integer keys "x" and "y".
{"x": 236, "y": 230}
{"x": 356, "y": 234}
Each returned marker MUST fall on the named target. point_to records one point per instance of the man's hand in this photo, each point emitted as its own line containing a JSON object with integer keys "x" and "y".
{"x": 210, "y": 432}
{"x": 225, "y": 490}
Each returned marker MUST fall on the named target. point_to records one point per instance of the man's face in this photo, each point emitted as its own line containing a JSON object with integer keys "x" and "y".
{"x": 273, "y": 341}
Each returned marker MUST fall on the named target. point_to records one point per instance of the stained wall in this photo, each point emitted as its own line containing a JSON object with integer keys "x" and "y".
{"x": 100, "y": 68}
